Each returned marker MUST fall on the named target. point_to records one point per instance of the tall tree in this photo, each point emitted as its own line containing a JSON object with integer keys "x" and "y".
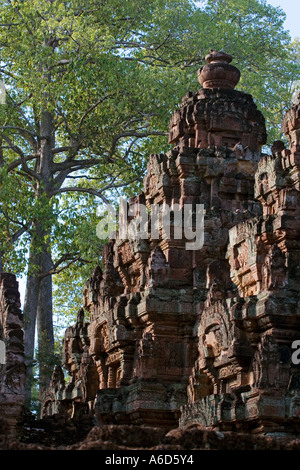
{"x": 90, "y": 88}
{"x": 76, "y": 100}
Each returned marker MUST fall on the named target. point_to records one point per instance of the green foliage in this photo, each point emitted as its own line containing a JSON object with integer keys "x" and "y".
{"x": 75, "y": 235}
{"x": 110, "y": 74}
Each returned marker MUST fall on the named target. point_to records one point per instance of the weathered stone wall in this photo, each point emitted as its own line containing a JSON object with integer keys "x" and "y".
{"x": 12, "y": 367}
{"x": 244, "y": 376}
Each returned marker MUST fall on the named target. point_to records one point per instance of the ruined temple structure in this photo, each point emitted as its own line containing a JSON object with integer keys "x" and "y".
{"x": 12, "y": 358}
{"x": 179, "y": 336}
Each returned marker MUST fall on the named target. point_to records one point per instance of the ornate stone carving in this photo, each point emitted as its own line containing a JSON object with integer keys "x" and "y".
{"x": 12, "y": 365}
{"x": 201, "y": 336}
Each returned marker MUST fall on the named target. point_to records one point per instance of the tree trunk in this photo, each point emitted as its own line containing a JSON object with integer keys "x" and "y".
{"x": 44, "y": 307}
{"x": 45, "y": 325}
{"x": 30, "y": 310}
{"x": 38, "y": 302}
{"x": 38, "y": 314}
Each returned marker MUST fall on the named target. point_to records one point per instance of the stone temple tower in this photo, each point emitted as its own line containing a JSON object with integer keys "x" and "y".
{"x": 205, "y": 335}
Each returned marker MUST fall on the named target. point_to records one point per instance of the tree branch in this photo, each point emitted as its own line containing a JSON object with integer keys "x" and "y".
{"x": 9, "y": 74}
{"x": 61, "y": 149}
{"x": 17, "y": 149}
{"x": 59, "y": 63}
{"x": 21, "y": 16}
{"x": 17, "y": 106}
{"x": 24, "y": 228}
{"x": 57, "y": 271}
{"x": 18, "y": 234}
{"x": 22, "y": 131}
{"x": 65, "y": 257}
{"x": 92, "y": 109}
{"x": 16, "y": 163}
{"x": 92, "y": 191}
{"x": 71, "y": 164}
{"x": 136, "y": 134}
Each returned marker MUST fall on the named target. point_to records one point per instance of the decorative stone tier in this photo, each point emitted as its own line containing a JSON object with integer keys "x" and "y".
{"x": 219, "y": 118}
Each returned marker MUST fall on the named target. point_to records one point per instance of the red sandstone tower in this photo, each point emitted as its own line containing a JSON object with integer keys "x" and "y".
{"x": 205, "y": 335}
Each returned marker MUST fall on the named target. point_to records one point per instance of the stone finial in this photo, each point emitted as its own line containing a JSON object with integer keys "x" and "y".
{"x": 216, "y": 56}
{"x": 218, "y": 73}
